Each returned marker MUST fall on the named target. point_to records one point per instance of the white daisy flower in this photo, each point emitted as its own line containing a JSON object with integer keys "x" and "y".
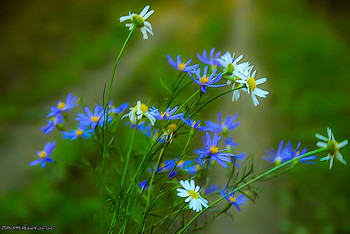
{"x": 332, "y": 146}
{"x": 229, "y": 62}
{"x": 138, "y": 112}
{"x": 139, "y": 21}
{"x": 191, "y": 191}
{"x": 242, "y": 70}
{"x": 251, "y": 87}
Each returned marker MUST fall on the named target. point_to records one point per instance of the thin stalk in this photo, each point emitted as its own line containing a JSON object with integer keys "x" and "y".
{"x": 216, "y": 97}
{"x": 128, "y": 155}
{"x": 116, "y": 64}
{"x": 194, "y": 94}
{"x": 151, "y": 183}
{"x": 252, "y": 181}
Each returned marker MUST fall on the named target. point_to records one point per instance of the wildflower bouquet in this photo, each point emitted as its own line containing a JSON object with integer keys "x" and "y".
{"x": 159, "y": 181}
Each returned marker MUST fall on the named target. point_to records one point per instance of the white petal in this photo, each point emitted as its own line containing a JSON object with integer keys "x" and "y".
{"x": 183, "y": 184}
{"x": 194, "y": 204}
{"x": 143, "y": 12}
{"x": 236, "y": 95}
{"x": 238, "y": 58}
{"x": 188, "y": 199}
{"x": 148, "y": 25}
{"x": 180, "y": 190}
{"x": 325, "y": 158}
{"x": 130, "y": 26}
{"x": 203, "y": 200}
{"x": 260, "y": 81}
{"x": 148, "y": 14}
{"x": 255, "y": 100}
{"x": 329, "y": 131}
{"x": 260, "y": 92}
{"x": 340, "y": 158}
{"x": 331, "y": 163}
{"x": 190, "y": 205}
{"x": 144, "y": 33}
{"x": 192, "y": 185}
{"x": 321, "y": 144}
{"x": 197, "y": 189}
{"x": 124, "y": 18}
{"x": 254, "y": 73}
{"x": 183, "y": 194}
{"x": 343, "y": 143}
{"x": 188, "y": 186}
{"x": 319, "y": 136}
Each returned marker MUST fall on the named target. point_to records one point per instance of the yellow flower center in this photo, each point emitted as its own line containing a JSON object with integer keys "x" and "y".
{"x": 230, "y": 69}
{"x": 163, "y": 114}
{"x": 198, "y": 167}
{"x": 79, "y": 132}
{"x": 204, "y": 80}
{"x": 236, "y": 83}
{"x": 193, "y": 194}
{"x": 194, "y": 123}
{"x": 181, "y": 66}
{"x": 278, "y": 161}
{"x": 214, "y": 150}
{"x": 232, "y": 199}
{"x": 42, "y": 154}
{"x": 333, "y": 147}
{"x": 61, "y": 105}
{"x": 138, "y": 21}
{"x": 172, "y": 128}
{"x": 95, "y": 119}
{"x": 181, "y": 163}
{"x": 143, "y": 108}
{"x": 251, "y": 83}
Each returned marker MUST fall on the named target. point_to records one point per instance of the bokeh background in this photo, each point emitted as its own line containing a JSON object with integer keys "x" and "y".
{"x": 51, "y": 48}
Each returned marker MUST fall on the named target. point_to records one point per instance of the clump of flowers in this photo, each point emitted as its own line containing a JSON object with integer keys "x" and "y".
{"x": 140, "y": 167}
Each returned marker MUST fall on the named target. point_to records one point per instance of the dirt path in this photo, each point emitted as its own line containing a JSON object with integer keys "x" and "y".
{"x": 252, "y": 134}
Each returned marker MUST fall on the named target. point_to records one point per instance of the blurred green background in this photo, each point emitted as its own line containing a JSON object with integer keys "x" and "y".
{"x": 51, "y": 48}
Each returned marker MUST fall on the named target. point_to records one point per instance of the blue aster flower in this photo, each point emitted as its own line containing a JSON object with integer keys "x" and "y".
{"x": 147, "y": 130}
{"x": 167, "y": 115}
{"x": 211, "y": 189}
{"x": 222, "y": 126}
{"x": 212, "y": 60}
{"x": 63, "y": 106}
{"x": 212, "y": 151}
{"x": 92, "y": 119}
{"x": 80, "y": 132}
{"x": 229, "y": 143}
{"x": 44, "y": 155}
{"x": 280, "y": 156}
{"x": 297, "y": 152}
{"x": 167, "y": 167}
{"x": 51, "y": 123}
{"x": 206, "y": 80}
{"x": 189, "y": 166}
{"x": 230, "y": 197}
{"x": 193, "y": 123}
{"x": 144, "y": 185}
{"x": 119, "y": 109}
{"x": 181, "y": 66}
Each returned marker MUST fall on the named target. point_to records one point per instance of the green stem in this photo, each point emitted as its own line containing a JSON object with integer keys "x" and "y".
{"x": 194, "y": 94}
{"x": 116, "y": 64}
{"x": 178, "y": 161}
{"x": 216, "y": 97}
{"x": 251, "y": 181}
{"x": 128, "y": 155}
{"x": 151, "y": 183}
{"x": 105, "y": 125}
